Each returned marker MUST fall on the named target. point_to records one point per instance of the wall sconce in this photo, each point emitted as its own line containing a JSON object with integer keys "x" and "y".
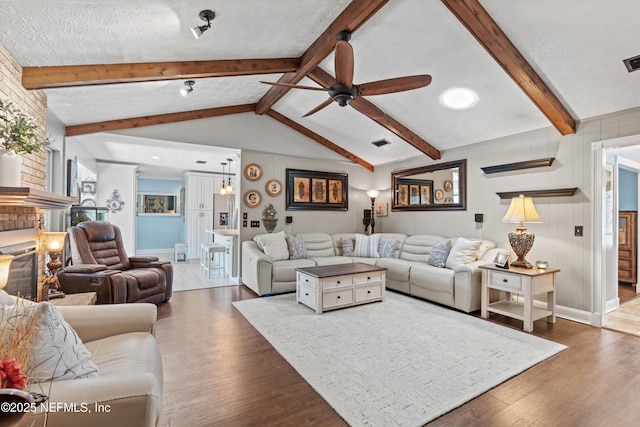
{"x": 205, "y": 15}
{"x": 521, "y": 211}
{"x": 372, "y": 222}
{"x": 185, "y": 91}
{"x": 54, "y": 243}
{"x": 5, "y": 262}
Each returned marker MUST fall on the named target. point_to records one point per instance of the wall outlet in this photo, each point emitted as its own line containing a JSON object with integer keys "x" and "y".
{"x": 244, "y": 223}
{"x": 578, "y": 231}
{"x": 288, "y": 219}
{"x": 255, "y": 224}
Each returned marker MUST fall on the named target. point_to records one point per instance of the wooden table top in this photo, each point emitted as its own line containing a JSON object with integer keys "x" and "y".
{"x": 84, "y": 298}
{"x": 339, "y": 269}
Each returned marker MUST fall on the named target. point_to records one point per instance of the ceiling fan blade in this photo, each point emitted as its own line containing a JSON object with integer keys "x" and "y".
{"x": 344, "y": 63}
{"x": 367, "y": 108}
{"x": 319, "y": 107}
{"x": 397, "y": 84}
{"x": 294, "y": 86}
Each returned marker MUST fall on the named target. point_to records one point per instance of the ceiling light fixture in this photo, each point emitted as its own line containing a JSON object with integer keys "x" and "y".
{"x": 205, "y": 15}
{"x": 229, "y": 187}
{"x": 458, "y": 98}
{"x": 185, "y": 91}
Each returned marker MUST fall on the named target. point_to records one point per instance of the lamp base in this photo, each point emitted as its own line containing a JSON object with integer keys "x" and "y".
{"x": 521, "y": 242}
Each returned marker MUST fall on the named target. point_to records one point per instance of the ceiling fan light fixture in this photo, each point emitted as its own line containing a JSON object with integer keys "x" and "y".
{"x": 185, "y": 91}
{"x": 459, "y": 98}
{"x": 207, "y": 16}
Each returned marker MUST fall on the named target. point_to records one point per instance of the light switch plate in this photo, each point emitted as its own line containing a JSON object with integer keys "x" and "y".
{"x": 255, "y": 224}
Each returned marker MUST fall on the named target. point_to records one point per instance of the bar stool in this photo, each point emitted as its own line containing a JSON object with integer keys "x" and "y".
{"x": 213, "y": 257}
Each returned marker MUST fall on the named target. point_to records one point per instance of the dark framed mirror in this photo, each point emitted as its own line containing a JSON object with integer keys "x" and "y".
{"x": 440, "y": 187}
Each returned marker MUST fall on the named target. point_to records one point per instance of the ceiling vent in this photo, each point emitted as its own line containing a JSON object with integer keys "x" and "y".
{"x": 201, "y": 162}
{"x": 380, "y": 142}
{"x": 632, "y": 64}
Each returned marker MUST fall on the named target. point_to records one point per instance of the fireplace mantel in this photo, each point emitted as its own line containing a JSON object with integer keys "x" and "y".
{"x": 31, "y": 197}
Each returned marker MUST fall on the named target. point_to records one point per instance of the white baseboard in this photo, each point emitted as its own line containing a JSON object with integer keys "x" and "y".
{"x": 165, "y": 254}
{"x": 612, "y": 304}
{"x": 564, "y": 312}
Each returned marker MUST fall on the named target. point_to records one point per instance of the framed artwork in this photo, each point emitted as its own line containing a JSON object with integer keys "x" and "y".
{"x": 382, "y": 209}
{"x": 273, "y": 187}
{"x": 89, "y": 187}
{"x": 165, "y": 204}
{"x": 252, "y": 198}
{"x": 72, "y": 178}
{"x": 501, "y": 260}
{"x": 439, "y": 195}
{"x": 448, "y": 186}
{"x": 311, "y": 190}
{"x": 252, "y": 172}
{"x": 413, "y": 192}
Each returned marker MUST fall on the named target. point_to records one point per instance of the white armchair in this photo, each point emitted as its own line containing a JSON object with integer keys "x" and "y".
{"x": 128, "y": 388}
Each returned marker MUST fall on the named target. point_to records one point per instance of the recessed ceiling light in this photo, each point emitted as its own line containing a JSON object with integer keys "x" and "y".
{"x": 458, "y": 98}
{"x": 156, "y": 157}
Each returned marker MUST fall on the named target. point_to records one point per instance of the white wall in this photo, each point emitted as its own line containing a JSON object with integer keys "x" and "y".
{"x": 122, "y": 178}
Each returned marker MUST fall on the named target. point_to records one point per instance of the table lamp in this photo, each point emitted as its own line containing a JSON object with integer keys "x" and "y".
{"x": 521, "y": 211}
{"x": 5, "y": 262}
{"x": 54, "y": 242}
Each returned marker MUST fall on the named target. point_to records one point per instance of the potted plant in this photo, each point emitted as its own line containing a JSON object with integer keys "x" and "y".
{"x": 18, "y": 135}
{"x": 269, "y": 219}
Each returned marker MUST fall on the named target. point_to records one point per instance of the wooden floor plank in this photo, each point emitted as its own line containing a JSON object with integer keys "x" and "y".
{"x": 219, "y": 371}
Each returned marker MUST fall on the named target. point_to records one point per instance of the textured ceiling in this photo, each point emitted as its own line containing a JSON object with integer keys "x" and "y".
{"x": 577, "y": 47}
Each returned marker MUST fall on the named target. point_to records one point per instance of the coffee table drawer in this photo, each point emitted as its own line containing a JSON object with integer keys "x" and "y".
{"x": 336, "y": 282}
{"x": 505, "y": 282}
{"x": 368, "y": 292}
{"x": 337, "y": 298}
{"x": 374, "y": 276}
{"x": 307, "y": 280}
{"x": 307, "y": 296}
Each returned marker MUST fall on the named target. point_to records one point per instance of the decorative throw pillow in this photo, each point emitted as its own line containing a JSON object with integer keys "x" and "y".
{"x": 274, "y": 245}
{"x": 367, "y": 246}
{"x": 58, "y": 352}
{"x": 439, "y": 253}
{"x": 386, "y": 248}
{"x": 347, "y": 246}
{"x": 296, "y": 248}
{"x": 463, "y": 252}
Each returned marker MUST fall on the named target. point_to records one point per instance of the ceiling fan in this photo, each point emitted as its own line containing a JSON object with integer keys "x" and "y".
{"x": 344, "y": 92}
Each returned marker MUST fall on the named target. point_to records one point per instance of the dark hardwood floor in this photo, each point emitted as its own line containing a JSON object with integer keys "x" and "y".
{"x": 219, "y": 371}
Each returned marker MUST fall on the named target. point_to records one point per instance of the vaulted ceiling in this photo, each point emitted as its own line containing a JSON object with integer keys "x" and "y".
{"x": 112, "y": 72}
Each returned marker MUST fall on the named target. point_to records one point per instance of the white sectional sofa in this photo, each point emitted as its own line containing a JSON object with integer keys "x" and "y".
{"x": 457, "y": 285}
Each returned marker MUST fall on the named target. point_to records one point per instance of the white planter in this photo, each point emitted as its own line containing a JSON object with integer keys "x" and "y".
{"x": 10, "y": 167}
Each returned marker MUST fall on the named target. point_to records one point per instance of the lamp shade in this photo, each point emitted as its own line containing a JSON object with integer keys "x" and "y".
{"x": 521, "y": 210}
{"x": 54, "y": 241}
{"x": 5, "y": 261}
{"x": 373, "y": 193}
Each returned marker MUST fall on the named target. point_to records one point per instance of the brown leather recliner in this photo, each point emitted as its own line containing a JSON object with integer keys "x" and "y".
{"x": 100, "y": 264}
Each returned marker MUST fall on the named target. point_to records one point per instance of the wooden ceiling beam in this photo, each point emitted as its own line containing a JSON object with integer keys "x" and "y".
{"x": 352, "y": 17}
{"x": 160, "y": 119}
{"x": 321, "y": 77}
{"x": 321, "y": 140}
{"x": 101, "y": 74}
{"x": 480, "y": 24}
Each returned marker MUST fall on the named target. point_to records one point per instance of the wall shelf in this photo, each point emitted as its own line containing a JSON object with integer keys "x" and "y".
{"x": 529, "y": 164}
{"x": 34, "y": 198}
{"x": 554, "y": 192}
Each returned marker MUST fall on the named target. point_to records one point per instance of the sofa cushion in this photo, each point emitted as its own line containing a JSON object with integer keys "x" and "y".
{"x": 367, "y": 246}
{"x": 346, "y": 244}
{"x": 332, "y": 260}
{"x": 439, "y": 253}
{"x": 399, "y": 239}
{"x": 433, "y": 283}
{"x": 273, "y": 245}
{"x": 296, "y": 248}
{"x": 463, "y": 252}
{"x": 317, "y": 244}
{"x": 397, "y": 269}
{"x": 386, "y": 248}
{"x": 58, "y": 352}
{"x": 418, "y": 247}
{"x": 285, "y": 270}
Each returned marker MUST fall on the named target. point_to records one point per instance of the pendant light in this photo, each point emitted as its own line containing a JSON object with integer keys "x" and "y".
{"x": 223, "y": 189}
{"x": 229, "y": 187}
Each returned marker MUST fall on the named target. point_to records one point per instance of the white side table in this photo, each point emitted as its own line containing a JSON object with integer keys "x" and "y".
{"x": 523, "y": 281}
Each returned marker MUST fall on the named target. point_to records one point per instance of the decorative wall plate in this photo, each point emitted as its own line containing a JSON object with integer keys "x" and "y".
{"x": 448, "y": 186}
{"x": 114, "y": 203}
{"x": 273, "y": 187}
{"x": 252, "y": 172}
{"x": 88, "y": 202}
{"x": 439, "y": 194}
{"x": 252, "y": 198}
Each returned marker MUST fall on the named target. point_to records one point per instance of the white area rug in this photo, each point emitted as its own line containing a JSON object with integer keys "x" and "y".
{"x": 402, "y": 362}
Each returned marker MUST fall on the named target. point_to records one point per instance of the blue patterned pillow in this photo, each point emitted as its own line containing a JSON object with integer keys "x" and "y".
{"x": 367, "y": 246}
{"x": 386, "y": 248}
{"x": 439, "y": 253}
{"x": 296, "y": 246}
{"x": 347, "y": 246}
